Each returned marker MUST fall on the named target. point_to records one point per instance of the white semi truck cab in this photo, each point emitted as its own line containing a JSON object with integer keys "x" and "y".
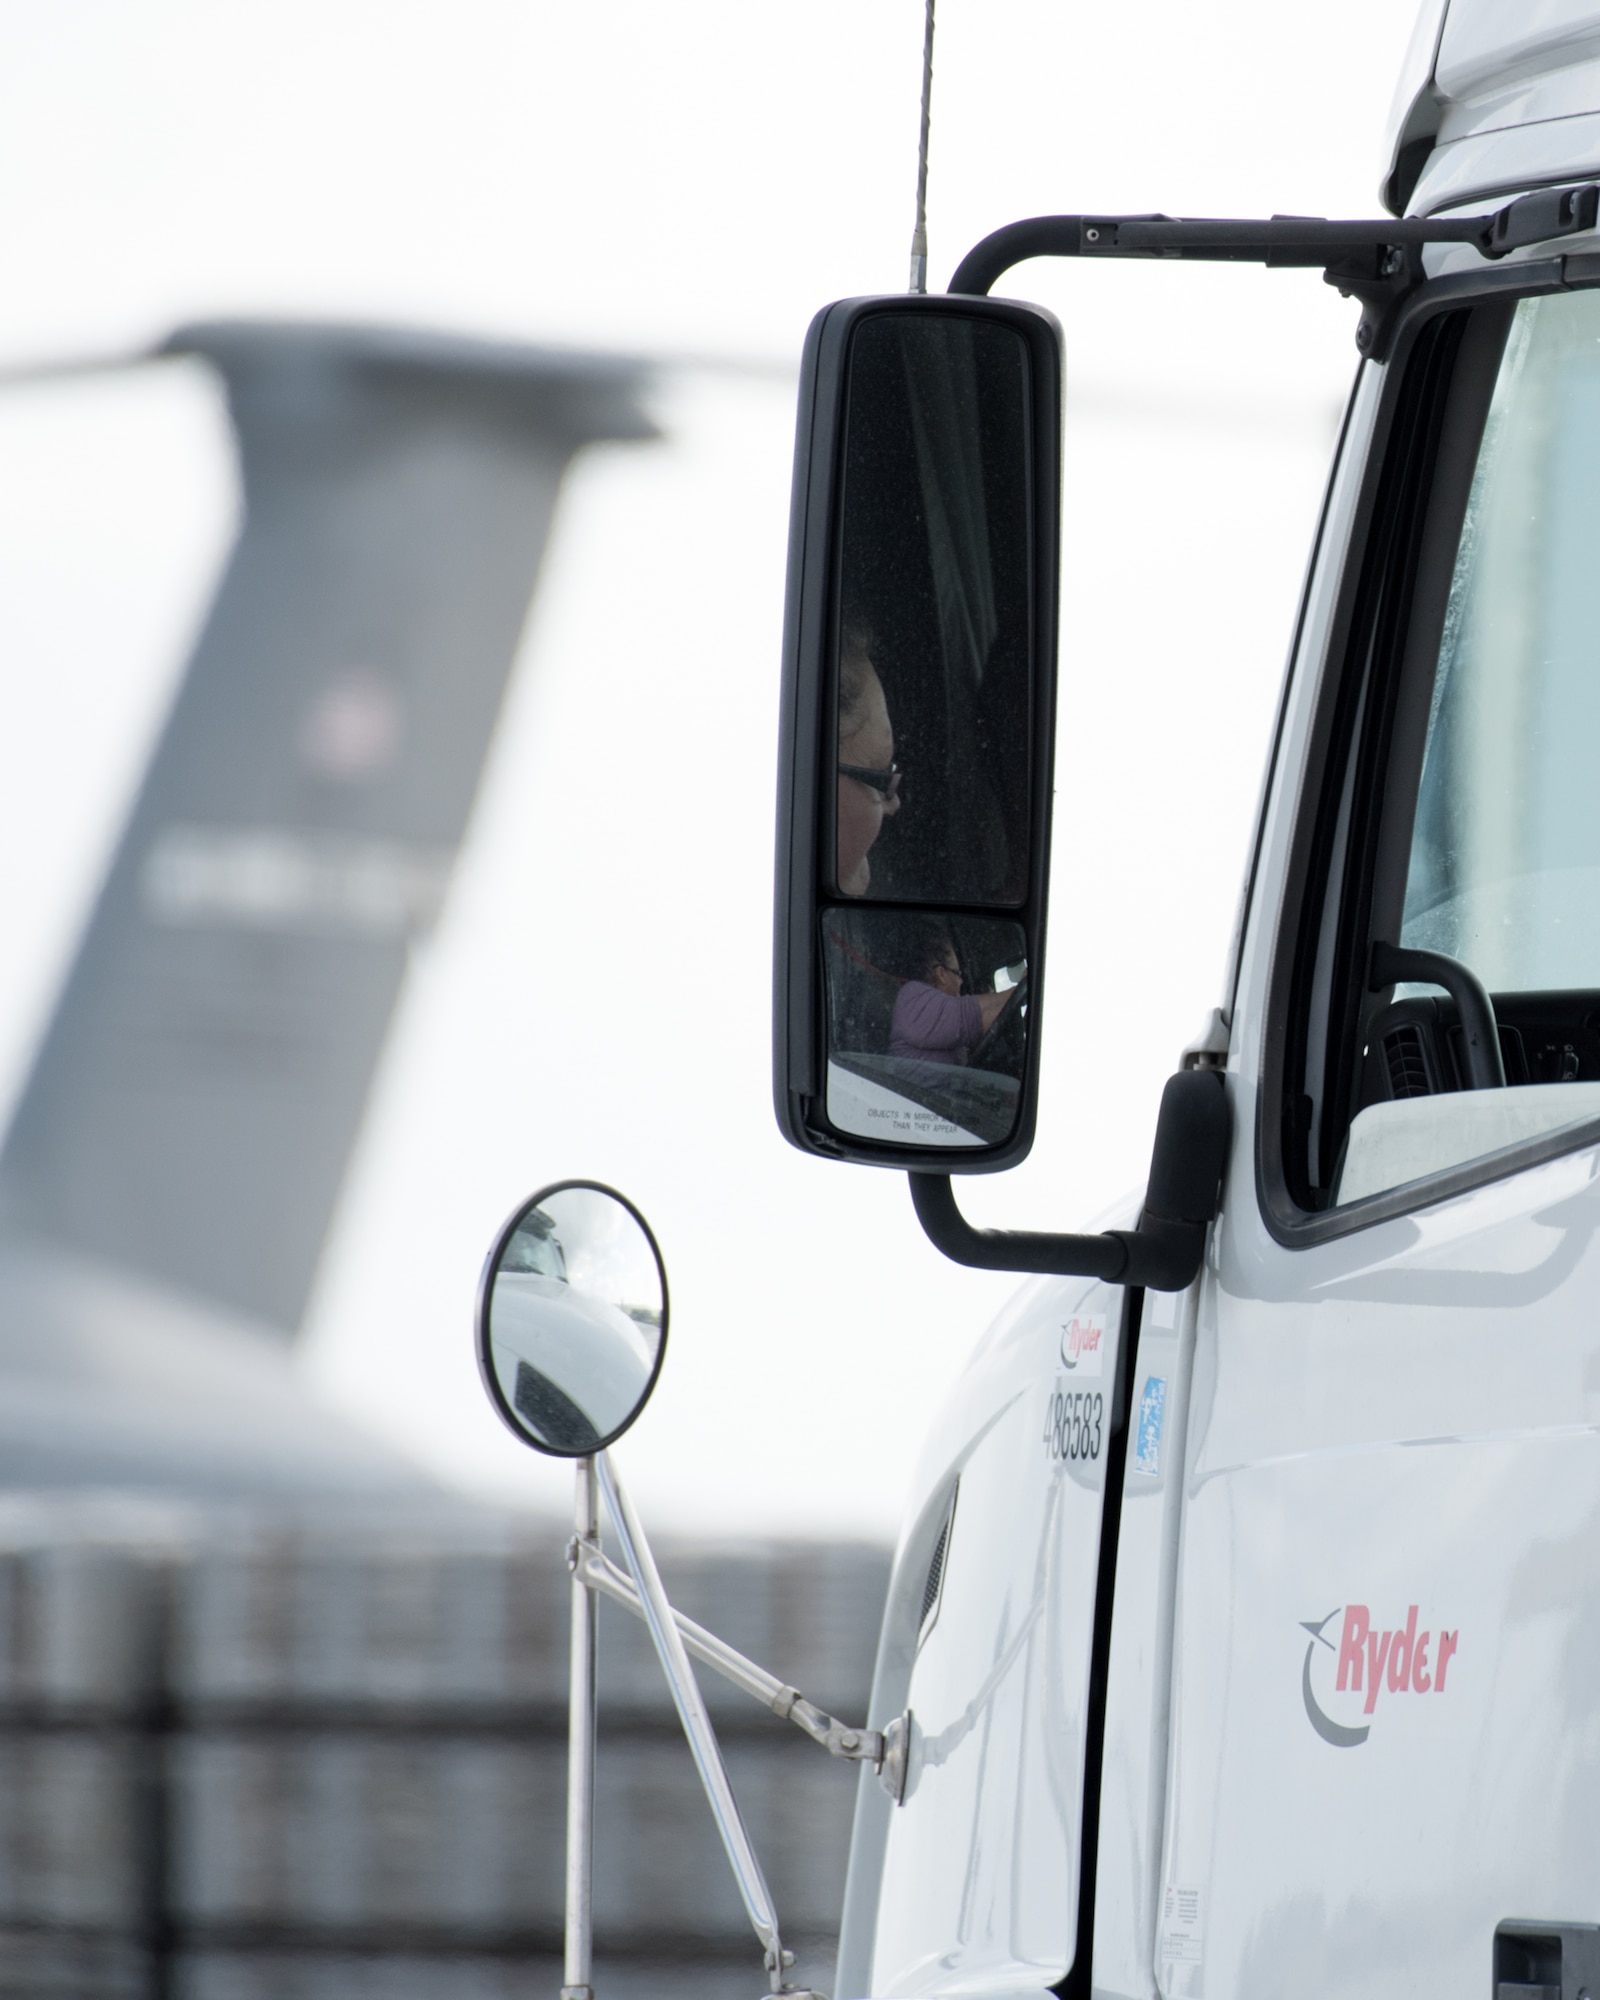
{"x": 1244, "y": 1636}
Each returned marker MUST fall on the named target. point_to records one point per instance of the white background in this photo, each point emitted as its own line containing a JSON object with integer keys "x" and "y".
{"x": 684, "y": 181}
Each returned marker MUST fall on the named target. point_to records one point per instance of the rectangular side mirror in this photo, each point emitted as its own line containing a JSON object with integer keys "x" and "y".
{"x": 917, "y": 734}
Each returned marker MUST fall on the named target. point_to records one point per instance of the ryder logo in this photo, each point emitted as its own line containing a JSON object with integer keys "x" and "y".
{"x": 1368, "y": 1663}
{"x": 1083, "y": 1344}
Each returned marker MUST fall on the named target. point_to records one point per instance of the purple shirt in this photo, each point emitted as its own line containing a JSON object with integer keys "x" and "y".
{"x": 939, "y": 1027}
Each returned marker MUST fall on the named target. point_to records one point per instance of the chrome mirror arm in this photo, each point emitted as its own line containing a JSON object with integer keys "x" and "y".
{"x": 670, "y": 1649}
{"x": 581, "y": 1681}
{"x": 598, "y": 1573}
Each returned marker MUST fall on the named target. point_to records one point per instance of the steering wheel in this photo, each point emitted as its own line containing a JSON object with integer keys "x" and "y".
{"x": 1001, "y": 1044}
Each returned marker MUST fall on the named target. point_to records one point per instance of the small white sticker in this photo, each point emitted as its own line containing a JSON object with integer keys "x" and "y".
{"x": 1182, "y": 1928}
{"x": 1083, "y": 1344}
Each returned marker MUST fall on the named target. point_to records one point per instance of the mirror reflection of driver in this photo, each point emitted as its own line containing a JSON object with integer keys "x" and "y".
{"x": 933, "y": 1019}
{"x": 868, "y": 777}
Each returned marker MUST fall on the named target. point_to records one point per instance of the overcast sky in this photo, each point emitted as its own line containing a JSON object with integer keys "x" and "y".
{"x": 687, "y": 181}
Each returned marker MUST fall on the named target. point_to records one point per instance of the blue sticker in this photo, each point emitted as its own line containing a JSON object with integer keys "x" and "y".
{"x": 1152, "y": 1409}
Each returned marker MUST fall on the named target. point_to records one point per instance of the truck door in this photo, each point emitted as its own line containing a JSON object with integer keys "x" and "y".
{"x": 1384, "y": 1737}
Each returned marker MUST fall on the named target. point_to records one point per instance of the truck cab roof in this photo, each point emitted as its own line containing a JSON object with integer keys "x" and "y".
{"x": 1493, "y": 99}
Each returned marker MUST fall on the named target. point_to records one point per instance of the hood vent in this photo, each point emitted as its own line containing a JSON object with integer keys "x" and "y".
{"x": 933, "y": 1588}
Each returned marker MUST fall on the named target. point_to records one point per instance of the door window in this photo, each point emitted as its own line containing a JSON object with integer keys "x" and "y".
{"x": 1476, "y": 745}
{"x": 1504, "y": 869}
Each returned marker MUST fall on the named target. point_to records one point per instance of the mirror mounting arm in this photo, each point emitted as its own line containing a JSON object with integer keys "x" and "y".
{"x": 597, "y": 1573}
{"x": 690, "y": 1704}
{"x": 1377, "y": 262}
{"x": 1104, "y": 1256}
{"x": 1163, "y": 1253}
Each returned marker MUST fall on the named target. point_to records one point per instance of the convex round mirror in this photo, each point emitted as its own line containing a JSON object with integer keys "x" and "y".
{"x": 572, "y": 1318}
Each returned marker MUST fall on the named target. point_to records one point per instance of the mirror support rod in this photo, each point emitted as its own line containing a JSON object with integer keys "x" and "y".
{"x": 579, "y": 1968}
{"x": 690, "y": 1703}
{"x": 597, "y": 1572}
{"x": 1181, "y": 1201}
{"x": 1377, "y": 262}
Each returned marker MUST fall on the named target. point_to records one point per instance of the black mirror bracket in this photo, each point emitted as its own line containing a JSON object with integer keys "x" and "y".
{"x": 1167, "y": 1248}
{"x": 1379, "y": 262}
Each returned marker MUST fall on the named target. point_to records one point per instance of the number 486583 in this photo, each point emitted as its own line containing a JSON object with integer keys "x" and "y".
{"x": 1072, "y": 1424}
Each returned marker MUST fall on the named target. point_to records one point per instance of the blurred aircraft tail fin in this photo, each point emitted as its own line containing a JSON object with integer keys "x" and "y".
{"x": 194, "y": 1105}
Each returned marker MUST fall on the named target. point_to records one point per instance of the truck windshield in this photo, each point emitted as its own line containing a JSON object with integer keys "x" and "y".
{"x": 535, "y": 1248}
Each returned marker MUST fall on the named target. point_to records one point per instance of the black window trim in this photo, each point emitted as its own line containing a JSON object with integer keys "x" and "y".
{"x": 1287, "y": 1222}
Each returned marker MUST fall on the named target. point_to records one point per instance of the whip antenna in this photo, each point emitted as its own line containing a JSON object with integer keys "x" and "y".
{"x": 919, "y": 235}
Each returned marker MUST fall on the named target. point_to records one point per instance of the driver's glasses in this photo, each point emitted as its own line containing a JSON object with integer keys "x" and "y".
{"x": 881, "y": 780}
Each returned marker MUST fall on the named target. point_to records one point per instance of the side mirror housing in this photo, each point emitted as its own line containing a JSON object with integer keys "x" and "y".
{"x": 917, "y": 733}
{"x": 571, "y": 1324}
